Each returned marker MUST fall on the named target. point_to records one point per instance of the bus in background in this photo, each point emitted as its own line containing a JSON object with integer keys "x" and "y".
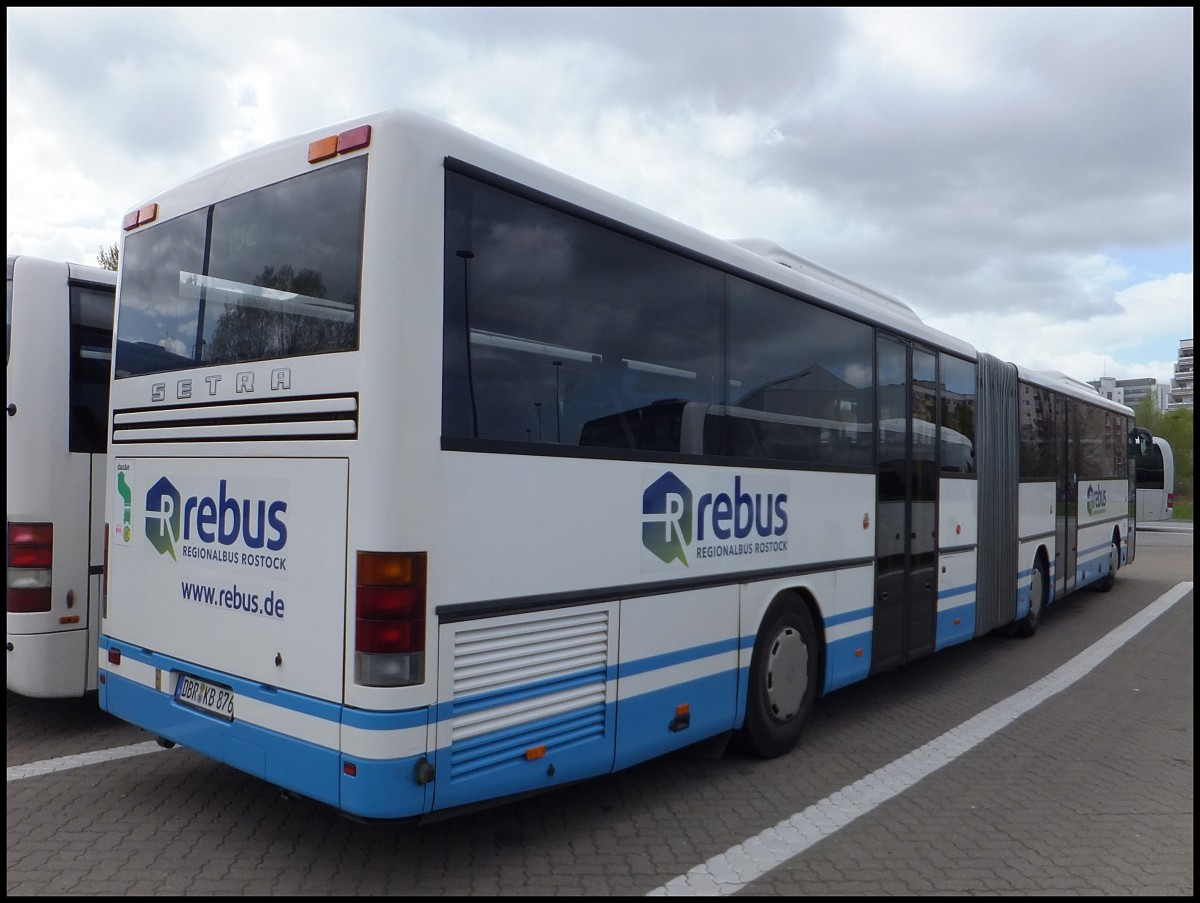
{"x": 438, "y": 477}
{"x": 58, "y": 351}
{"x": 1155, "y": 481}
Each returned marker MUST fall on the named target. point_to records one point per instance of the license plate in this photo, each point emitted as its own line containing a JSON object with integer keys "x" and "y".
{"x": 200, "y": 694}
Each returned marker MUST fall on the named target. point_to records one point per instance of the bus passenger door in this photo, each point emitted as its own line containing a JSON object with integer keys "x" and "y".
{"x": 906, "y": 515}
{"x": 1066, "y": 514}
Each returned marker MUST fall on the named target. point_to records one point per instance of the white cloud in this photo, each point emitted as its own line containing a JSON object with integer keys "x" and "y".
{"x": 1150, "y": 315}
{"x": 1006, "y": 171}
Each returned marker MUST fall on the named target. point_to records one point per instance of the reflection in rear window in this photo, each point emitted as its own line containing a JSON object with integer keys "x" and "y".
{"x": 272, "y": 273}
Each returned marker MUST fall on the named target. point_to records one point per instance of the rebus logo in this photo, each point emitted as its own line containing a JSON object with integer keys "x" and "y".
{"x": 667, "y": 518}
{"x": 162, "y": 517}
{"x": 1097, "y": 499}
{"x": 225, "y": 519}
{"x": 729, "y": 522}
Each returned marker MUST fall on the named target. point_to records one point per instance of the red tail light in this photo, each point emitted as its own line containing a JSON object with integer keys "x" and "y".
{"x": 1170, "y": 500}
{"x": 389, "y": 636}
{"x": 30, "y": 558}
{"x": 389, "y": 619}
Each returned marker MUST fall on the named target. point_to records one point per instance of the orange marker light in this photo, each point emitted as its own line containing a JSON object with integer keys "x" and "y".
{"x": 322, "y": 149}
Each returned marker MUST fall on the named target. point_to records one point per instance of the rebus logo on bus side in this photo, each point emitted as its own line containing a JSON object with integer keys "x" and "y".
{"x": 279, "y": 379}
{"x": 719, "y": 523}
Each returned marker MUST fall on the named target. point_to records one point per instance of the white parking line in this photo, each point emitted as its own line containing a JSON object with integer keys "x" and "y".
{"x": 47, "y": 766}
{"x": 729, "y": 872}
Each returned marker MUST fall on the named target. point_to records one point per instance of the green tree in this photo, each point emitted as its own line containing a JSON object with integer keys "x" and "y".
{"x": 249, "y": 332}
{"x": 108, "y": 257}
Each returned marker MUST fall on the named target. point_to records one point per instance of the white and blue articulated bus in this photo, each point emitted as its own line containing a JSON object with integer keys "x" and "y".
{"x": 1154, "y": 465}
{"x": 438, "y": 477}
{"x": 57, "y": 363}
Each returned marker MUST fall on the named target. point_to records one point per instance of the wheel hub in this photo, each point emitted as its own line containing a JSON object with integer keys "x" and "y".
{"x": 787, "y": 674}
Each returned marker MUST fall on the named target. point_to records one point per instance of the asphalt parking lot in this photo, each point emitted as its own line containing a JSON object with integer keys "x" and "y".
{"x": 1057, "y": 765}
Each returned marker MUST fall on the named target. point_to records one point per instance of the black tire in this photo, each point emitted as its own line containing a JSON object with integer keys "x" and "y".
{"x": 784, "y": 679}
{"x": 1038, "y": 592}
{"x": 1114, "y": 562}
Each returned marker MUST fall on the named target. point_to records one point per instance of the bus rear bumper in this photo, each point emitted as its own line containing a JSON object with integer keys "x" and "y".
{"x": 365, "y": 788}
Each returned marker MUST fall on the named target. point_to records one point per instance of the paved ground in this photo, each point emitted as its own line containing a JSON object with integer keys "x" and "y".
{"x": 1088, "y": 792}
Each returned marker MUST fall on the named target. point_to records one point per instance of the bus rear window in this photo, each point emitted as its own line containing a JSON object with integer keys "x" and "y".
{"x": 269, "y": 274}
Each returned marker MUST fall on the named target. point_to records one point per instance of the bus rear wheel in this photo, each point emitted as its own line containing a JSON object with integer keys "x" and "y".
{"x": 783, "y": 681}
{"x": 1114, "y": 562}
{"x": 1028, "y": 625}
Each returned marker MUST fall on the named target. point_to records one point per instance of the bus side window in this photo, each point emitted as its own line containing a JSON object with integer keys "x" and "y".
{"x": 504, "y": 407}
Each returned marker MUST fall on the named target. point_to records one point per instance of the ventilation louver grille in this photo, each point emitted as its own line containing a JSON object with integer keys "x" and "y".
{"x": 519, "y": 685}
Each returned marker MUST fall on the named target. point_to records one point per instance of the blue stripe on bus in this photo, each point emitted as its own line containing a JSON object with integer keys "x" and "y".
{"x": 584, "y": 743}
{"x": 956, "y": 591}
{"x": 847, "y": 660}
{"x": 485, "y": 755}
{"x": 386, "y": 789}
{"x": 1092, "y": 550}
{"x": 847, "y": 616}
{"x": 251, "y": 689}
{"x": 285, "y": 761}
{"x": 384, "y": 721}
{"x": 464, "y": 705}
{"x": 394, "y": 720}
{"x": 955, "y": 625}
{"x": 367, "y": 720}
{"x": 1024, "y": 592}
{"x": 679, "y": 657}
{"x": 644, "y": 722}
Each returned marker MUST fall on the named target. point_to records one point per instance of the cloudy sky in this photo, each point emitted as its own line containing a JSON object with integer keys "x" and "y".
{"x": 1022, "y": 178}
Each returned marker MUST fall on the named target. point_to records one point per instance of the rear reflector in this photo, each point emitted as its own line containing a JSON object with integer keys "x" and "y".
{"x": 353, "y": 139}
{"x": 28, "y": 600}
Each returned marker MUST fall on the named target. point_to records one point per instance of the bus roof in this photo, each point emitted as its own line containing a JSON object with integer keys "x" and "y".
{"x": 80, "y": 272}
{"x": 1068, "y": 385}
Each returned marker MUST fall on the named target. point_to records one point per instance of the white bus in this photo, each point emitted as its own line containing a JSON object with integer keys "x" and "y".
{"x": 58, "y": 351}
{"x": 1155, "y": 480}
{"x": 438, "y": 477}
